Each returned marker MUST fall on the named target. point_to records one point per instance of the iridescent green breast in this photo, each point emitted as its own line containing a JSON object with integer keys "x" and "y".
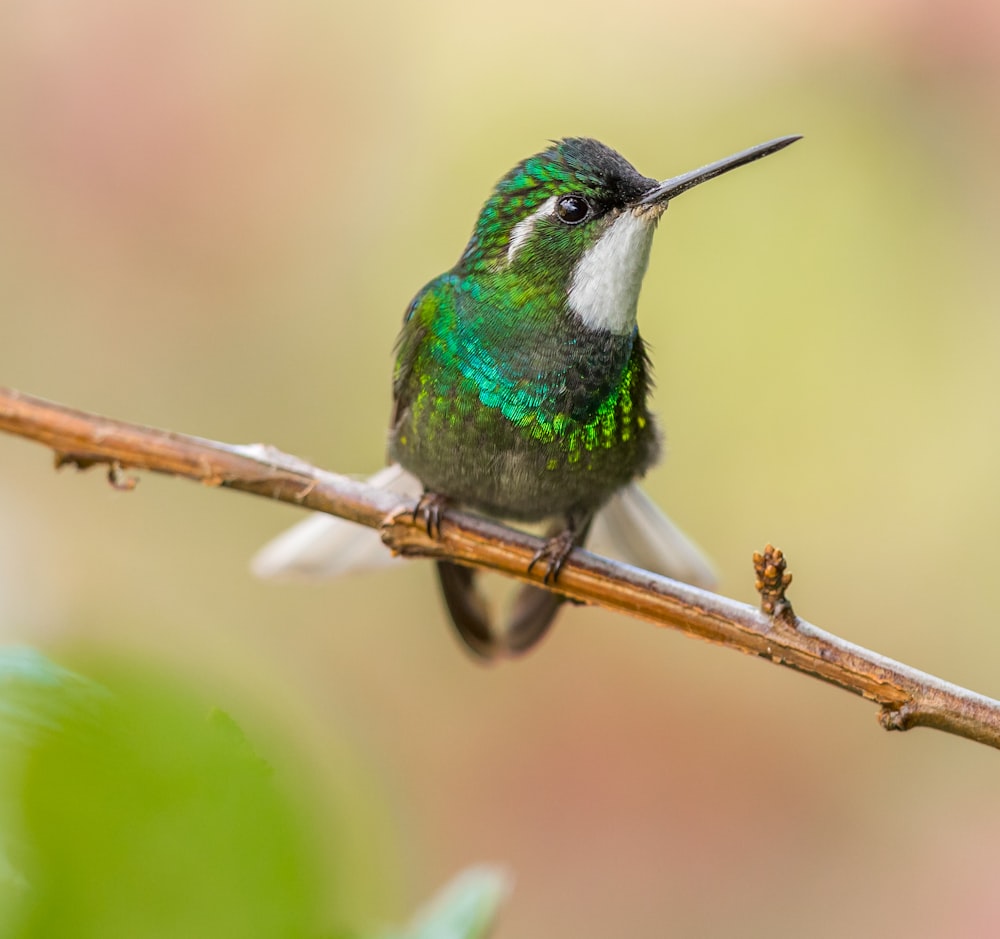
{"x": 516, "y": 416}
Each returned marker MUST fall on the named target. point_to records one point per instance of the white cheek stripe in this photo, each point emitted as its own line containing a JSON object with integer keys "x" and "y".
{"x": 604, "y": 288}
{"x": 520, "y": 233}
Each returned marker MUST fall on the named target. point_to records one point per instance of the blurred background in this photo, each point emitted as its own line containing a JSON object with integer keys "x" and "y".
{"x": 213, "y": 217}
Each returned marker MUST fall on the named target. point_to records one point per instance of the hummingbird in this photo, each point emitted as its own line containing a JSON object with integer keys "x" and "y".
{"x": 521, "y": 387}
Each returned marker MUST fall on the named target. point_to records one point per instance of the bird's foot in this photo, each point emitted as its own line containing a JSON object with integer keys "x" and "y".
{"x": 554, "y": 553}
{"x": 428, "y": 510}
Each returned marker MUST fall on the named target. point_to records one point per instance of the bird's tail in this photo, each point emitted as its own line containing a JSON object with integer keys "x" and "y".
{"x": 531, "y": 614}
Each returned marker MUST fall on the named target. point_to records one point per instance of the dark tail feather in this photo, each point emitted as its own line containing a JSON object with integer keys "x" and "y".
{"x": 468, "y": 609}
{"x": 532, "y": 613}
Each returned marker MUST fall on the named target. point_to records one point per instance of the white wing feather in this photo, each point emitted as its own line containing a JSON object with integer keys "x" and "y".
{"x": 325, "y": 546}
{"x": 632, "y": 527}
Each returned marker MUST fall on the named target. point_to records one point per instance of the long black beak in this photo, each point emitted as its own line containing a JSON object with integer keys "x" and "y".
{"x": 674, "y": 187}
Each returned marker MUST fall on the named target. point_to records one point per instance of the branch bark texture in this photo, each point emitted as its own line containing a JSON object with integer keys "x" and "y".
{"x": 907, "y": 697}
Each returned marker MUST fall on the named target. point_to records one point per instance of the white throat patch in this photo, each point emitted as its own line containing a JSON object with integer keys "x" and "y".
{"x": 604, "y": 288}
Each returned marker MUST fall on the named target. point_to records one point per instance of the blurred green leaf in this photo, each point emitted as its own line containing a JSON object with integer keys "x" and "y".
{"x": 136, "y": 814}
{"x": 127, "y": 810}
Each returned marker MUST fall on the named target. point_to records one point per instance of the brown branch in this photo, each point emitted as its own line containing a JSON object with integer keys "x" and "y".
{"x": 907, "y": 697}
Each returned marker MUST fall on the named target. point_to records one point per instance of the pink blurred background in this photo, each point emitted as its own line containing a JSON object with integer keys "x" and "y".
{"x": 214, "y": 215}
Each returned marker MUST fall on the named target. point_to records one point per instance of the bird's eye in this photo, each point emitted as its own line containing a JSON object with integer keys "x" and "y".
{"x": 572, "y": 209}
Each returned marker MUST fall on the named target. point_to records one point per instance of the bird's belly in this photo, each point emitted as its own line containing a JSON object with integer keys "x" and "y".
{"x": 480, "y": 458}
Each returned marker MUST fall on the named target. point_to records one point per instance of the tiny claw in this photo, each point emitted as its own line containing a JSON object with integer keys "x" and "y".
{"x": 554, "y": 552}
{"x": 428, "y": 509}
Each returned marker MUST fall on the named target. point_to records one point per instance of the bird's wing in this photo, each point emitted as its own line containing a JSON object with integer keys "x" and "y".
{"x": 408, "y": 345}
{"x": 325, "y": 546}
{"x": 632, "y": 527}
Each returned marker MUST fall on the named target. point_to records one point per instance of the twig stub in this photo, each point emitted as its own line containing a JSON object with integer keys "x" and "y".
{"x": 897, "y": 718}
{"x": 119, "y": 479}
{"x": 772, "y": 581}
